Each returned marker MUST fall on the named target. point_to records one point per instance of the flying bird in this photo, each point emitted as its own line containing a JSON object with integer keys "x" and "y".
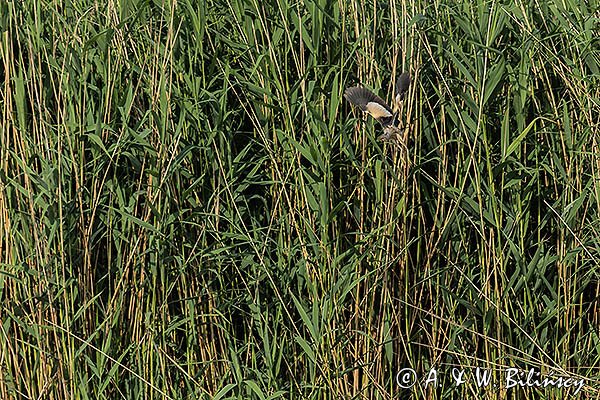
{"x": 375, "y": 106}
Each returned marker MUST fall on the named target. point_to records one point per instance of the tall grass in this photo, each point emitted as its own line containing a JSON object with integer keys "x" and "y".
{"x": 189, "y": 209}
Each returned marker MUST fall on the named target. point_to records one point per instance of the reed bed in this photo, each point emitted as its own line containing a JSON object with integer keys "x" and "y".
{"x": 189, "y": 209}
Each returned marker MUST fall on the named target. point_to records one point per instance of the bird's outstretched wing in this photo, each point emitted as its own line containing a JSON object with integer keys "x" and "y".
{"x": 402, "y": 85}
{"x": 370, "y": 103}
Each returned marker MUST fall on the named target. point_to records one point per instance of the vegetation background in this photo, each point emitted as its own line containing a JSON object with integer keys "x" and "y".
{"x": 189, "y": 209}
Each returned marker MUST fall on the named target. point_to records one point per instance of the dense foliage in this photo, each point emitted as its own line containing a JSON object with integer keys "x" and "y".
{"x": 190, "y": 209}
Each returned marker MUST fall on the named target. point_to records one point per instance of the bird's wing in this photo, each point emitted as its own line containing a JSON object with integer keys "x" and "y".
{"x": 370, "y": 103}
{"x": 402, "y": 85}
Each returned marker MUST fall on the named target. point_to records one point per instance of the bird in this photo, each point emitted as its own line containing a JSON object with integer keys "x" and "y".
{"x": 375, "y": 106}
